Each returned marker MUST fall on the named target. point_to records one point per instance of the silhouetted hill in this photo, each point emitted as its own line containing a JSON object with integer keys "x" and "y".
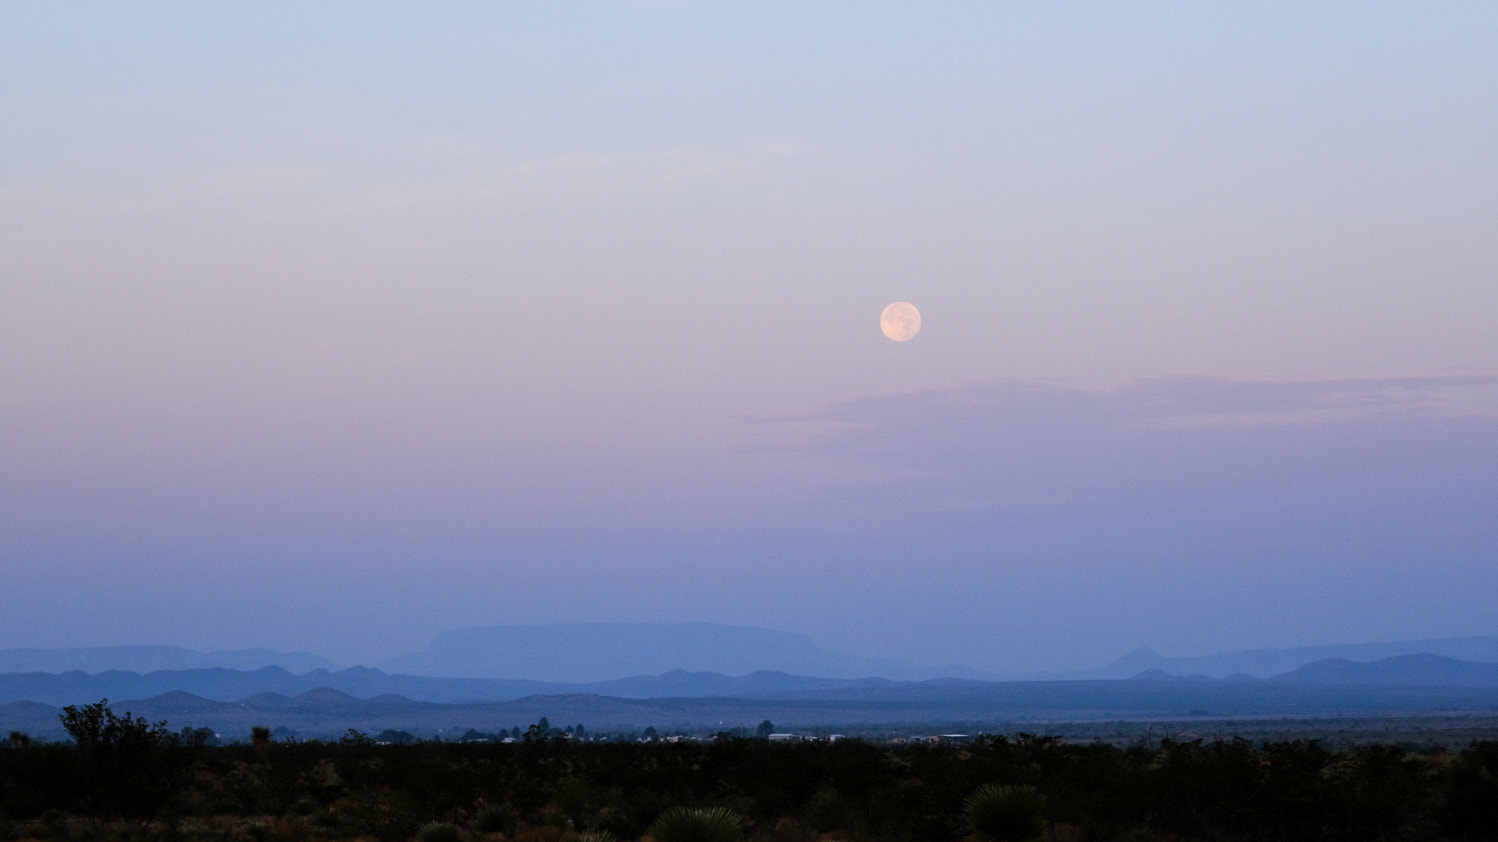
{"x": 1417, "y": 670}
{"x": 597, "y": 652}
{"x": 29, "y": 711}
{"x": 80, "y": 687}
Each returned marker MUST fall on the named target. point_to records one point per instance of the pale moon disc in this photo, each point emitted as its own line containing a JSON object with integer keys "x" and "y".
{"x": 900, "y": 321}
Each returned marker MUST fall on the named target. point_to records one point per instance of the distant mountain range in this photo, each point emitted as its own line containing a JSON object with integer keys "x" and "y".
{"x": 1423, "y": 670}
{"x": 221, "y": 685}
{"x": 590, "y": 652}
{"x": 1263, "y": 663}
{"x": 1004, "y": 707}
{"x": 575, "y": 653}
{"x": 322, "y": 701}
{"x": 637, "y": 660}
{"x": 364, "y": 682}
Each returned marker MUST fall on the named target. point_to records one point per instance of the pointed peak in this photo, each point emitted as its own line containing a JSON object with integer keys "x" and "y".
{"x": 1141, "y": 658}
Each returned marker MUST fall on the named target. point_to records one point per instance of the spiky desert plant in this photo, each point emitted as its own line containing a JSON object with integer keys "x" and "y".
{"x": 1006, "y": 813}
{"x": 252, "y": 831}
{"x": 697, "y": 824}
{"x": 496, "y": 818}
{"x": 439, "y": 832}
{"x": 589, "y": 836}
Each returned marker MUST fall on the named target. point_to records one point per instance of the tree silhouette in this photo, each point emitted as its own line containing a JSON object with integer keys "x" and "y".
{"x": 95, "y": 729}
{"x": 124, "y": 762}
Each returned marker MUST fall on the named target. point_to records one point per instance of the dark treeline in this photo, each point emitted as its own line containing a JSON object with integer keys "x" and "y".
{"x": 142, "y": 779}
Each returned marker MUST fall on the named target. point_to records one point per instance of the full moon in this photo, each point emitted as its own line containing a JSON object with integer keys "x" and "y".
{"x": 900, "y": 321}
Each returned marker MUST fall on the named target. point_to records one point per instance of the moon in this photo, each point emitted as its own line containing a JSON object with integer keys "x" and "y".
{"x": 900, "y": 321}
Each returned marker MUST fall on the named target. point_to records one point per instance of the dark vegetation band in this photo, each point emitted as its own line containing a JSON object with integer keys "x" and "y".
{"x": 126, "y": 776}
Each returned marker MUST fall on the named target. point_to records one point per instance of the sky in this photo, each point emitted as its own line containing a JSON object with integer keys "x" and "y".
{"x": 334, "y": 326}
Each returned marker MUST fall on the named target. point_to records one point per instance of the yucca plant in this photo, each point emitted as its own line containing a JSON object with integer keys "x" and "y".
{"x": 1006, "y": 813}
{"x": 496, "y": 818}
{"x": 252, "y": 831}
{"x": 589, "y": 836}
{"x": 439, "y": 832}
{"x": 697, "y": 824}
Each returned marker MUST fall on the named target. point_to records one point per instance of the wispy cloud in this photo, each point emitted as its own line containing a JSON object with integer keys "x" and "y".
{"x": 1173, "y": 441}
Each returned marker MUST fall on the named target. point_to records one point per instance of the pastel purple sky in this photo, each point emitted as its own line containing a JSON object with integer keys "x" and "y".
{"x": 334, "y": 327}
